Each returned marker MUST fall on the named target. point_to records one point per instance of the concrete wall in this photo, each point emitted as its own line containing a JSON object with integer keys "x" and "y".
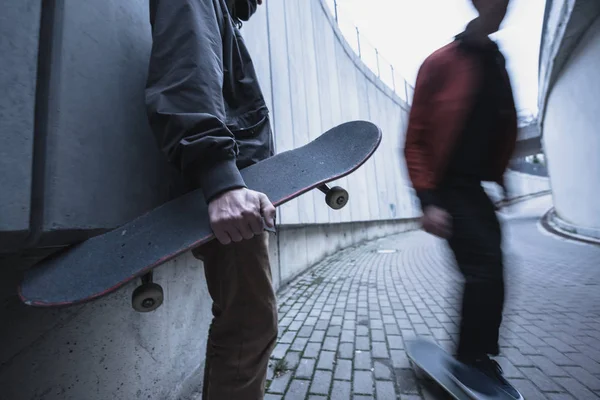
{"x": 571, "y": 138}
{"x": 19, "y": 32}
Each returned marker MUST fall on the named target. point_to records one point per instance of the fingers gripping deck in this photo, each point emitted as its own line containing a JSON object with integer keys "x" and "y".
{"x": 106, "y": 262}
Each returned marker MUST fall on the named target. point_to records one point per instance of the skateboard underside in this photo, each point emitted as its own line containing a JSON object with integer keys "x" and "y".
{"x": 433, "y": 361}
{"x": 106, "y": 262}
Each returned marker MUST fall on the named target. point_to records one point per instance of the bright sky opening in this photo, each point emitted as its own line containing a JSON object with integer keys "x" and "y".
{"x": 407, "y": 31}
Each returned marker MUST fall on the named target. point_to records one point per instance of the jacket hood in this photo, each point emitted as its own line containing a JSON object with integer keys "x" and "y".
{"x": 242, "y": 9}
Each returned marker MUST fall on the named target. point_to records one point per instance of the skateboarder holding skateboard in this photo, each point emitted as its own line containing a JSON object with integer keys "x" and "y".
{"x": 462, "y": 131}
{"x": 209, "y": 117}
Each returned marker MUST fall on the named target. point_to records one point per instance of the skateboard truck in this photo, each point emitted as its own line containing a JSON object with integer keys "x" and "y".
{"x": 148, "y": 296}
{"x": 335, "y": 197}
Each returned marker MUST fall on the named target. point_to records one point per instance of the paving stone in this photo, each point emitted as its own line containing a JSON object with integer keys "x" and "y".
{"x": 379, "y": 350}
{"x": 321, "y": 382}
{"x": 312, "y": 350}
{"x": 346, "y": 350}
{"x": 269, "y": 396}
{"x": 544, "y": 382}
{"x": 331, "y": 343}
{"x": 548, "y": 367}
{"x": 292, "y": 359}
{"x": 362, "y": 360}
{"x": 575, "y": 388}
{"x": 317, "y": 336}
{"x": 385, "y": 390}
{"x": 279, "y": 384}
{"x": 305, "y": 331}
{"x": 392, "y": 329}
{"x": 347, "y": 336}
{"x": 406, "y": 381}
{"x": 362, "y": 330}
{"x": 297, "y": 390}
{"x": 322, "y": 324}
{"x": 377, "y": 335}
{"x": 363, "y": 343}
{"x": 341, "y": 390}
{"x": 288, "y": 337}
{"x": 383, "y": 369}
{"x": 508, "y": 369}
{"x": 363, "y": 382}
{"x": 306, "y": 368}
{"x": 343, "y": 370}
{"x": 584, "y": 377}
{"x": 326, "y": 360}
{"x": 299, "y": 344}
{"x": 395, "y": 342}
{"x": 376, "y": 324}
{"x": 559, "y": 396}
{"x": 399, "y": 359}
{"x": 280, "y": 350}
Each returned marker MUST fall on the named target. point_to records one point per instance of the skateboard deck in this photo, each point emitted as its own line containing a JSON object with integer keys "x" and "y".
{"x": 104, "y": 263}
{"x": 434, "y": 362}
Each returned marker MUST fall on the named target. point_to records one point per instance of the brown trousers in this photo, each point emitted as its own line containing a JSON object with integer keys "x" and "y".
{"x": 244, "y": 326}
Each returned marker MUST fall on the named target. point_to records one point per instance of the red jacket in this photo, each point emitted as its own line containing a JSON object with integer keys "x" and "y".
{"x": 446, "y": 86}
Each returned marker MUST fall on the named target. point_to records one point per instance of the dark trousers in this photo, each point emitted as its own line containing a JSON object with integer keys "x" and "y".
{"x": 243, "y": 331}
{"x": 476, "y": 243}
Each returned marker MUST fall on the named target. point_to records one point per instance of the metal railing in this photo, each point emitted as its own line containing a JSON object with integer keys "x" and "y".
{"x": 370, "y": 55}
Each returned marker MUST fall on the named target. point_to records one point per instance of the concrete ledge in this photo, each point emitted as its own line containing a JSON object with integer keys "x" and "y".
{"x": 525, "y": 197}
{"x": 298, "y": 248}
{"x": 554, "y": 224}
{"x": 521, "y": 186}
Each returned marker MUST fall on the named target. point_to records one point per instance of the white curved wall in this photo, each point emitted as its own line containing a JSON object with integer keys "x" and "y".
{"x": 571, "y": 134}
{"x": 316, "y": 82}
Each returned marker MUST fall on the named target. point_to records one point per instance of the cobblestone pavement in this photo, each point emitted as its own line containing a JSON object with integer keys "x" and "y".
{"x": 343, "y": 326}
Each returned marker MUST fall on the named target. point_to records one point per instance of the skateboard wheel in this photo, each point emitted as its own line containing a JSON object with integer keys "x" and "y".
{"x": 147, "y": 297}
{"x": 336, "y": 197}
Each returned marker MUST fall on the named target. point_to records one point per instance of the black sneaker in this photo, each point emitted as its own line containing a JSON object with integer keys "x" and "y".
{"x": 468, "y": 376}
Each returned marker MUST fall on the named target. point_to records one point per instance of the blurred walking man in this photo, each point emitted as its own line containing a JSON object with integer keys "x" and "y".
{"x": 462, "y": 131}
{"x": 209, "y": 117}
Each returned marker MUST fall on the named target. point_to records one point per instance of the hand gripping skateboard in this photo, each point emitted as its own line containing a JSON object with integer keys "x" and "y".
{"x": 431, "y": 360}
{"x": 104, "y": 263}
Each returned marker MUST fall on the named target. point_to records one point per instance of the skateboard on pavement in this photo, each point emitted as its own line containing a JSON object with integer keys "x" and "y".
{"x": 431, "y": 360}
{"x": 105, "y": 263}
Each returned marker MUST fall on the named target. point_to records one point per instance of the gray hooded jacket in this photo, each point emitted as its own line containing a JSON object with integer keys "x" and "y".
{"x": 204, "y": 103}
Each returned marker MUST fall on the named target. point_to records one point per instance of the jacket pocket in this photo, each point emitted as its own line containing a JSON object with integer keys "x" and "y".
{"x": 254, "y": 138}
{"x": 249, "y": 125}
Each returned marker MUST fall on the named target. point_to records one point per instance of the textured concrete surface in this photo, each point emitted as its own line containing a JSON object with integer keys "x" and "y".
{"x": 344, "y": 325}
{"x": 19, "y": 32}
{"x": 102, "y": 165}
{"x": 568, "y": 115}
{"x": 571, "y": 139}
{"x": 106, "y": 350}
